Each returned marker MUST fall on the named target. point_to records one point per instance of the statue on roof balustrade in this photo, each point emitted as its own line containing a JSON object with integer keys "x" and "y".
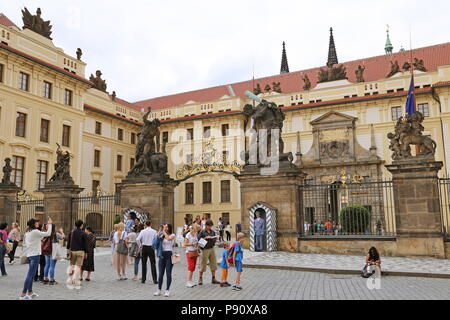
{"x": 36, "y": 23}
{"x": 98, "y": 82}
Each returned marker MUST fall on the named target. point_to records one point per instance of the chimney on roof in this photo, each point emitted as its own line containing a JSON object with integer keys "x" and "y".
{"x": 284, "y": 61}
{"x": 388, "y": 47}
{"x": 332, "y": 55}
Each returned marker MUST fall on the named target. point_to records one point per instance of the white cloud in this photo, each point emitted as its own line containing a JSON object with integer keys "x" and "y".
{"x": 151, "y": 48}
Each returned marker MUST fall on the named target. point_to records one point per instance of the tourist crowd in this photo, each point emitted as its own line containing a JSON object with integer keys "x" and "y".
{"x": 132, "y": 243}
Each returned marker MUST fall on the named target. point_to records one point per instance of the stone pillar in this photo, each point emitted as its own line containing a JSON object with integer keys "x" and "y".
{"x": 155, "y": 197}
{"x": 7, "y": 192}
{"x": 417, "y": 207}
{"x": 281, "y": 192}
{"x": 58, "y": 205}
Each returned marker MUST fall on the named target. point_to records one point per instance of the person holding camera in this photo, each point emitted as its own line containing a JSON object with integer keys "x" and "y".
{"x": 208, "y": 253}
{"x": 166, "y": 238}
{"x": 32, "y": 244}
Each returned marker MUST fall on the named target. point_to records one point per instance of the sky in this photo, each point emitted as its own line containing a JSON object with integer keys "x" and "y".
{"x": 152, "y": 48}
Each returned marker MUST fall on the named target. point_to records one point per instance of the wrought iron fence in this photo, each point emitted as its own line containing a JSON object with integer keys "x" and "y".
{"x": 444, "y": 195}
{"x": 348, "y": 209}
{"x": 97, "y": 212}
{"x": 24, "y": 210}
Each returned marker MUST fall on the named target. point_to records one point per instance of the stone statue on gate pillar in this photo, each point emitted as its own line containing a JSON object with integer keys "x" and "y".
{"x": 62, "y": 168}
{"x": 408, "y": 131}
{"x": 149, "y": 159}
{"x": 267, "y": 116}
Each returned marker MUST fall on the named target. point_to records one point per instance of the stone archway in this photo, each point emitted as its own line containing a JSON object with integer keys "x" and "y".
{"x": 271, "y": 226}
{"x": 140, "y": 213}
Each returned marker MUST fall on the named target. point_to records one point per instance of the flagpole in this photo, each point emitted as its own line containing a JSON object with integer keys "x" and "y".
{"x": 412, "y": 67}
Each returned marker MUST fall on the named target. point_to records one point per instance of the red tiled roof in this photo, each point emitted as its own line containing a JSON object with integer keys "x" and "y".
{"x": 4, "y": 20}
{"x": 376, "y": 68}
{"x": 442, "y": 84}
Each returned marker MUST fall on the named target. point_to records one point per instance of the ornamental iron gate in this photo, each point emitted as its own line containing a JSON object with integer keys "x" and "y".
{"x": 347, "y": 209}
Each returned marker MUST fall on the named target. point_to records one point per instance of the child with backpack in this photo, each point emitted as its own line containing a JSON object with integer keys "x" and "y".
{"x": 225, "y": 265}
{"x": 238, "y": 255}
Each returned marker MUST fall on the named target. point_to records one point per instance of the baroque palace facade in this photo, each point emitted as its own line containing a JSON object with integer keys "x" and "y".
{"x": 337, "y": 117}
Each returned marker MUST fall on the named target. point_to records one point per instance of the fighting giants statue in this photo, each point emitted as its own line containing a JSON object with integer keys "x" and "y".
{"x": 148, "y": 158}
{"x": 408, "y": 131}
{"x": 267, "y": 116}
{"x": 62, "y": 168}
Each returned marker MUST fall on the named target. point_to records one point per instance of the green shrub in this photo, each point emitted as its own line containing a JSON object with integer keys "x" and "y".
{"x": 116, "y": 219}
{"x": 354, "y": 218}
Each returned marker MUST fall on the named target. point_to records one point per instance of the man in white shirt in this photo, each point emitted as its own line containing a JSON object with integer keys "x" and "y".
{"x": 145, "y": 241}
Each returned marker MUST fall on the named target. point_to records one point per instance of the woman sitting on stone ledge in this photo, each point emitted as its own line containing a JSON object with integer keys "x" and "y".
{"x": 373, "y": 258}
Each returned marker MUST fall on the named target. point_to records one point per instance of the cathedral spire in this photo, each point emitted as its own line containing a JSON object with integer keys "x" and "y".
{"x": 284, "y": 61}
{"x": 332, "y": 55}
{"x": 388, "y": 46}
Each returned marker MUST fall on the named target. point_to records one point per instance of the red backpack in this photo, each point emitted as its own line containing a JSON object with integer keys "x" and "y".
{"x": 230, "y": 253}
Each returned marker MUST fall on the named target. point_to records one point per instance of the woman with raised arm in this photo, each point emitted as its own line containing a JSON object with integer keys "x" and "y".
{"x": 32, "y": 244}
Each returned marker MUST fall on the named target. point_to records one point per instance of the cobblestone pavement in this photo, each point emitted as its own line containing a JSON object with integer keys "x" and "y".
{"x": 344, "y": 262}
{"x": 258, "y": 284}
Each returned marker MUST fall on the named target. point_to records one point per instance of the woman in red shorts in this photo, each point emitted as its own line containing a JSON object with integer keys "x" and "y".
{"x": 191, "y": 244}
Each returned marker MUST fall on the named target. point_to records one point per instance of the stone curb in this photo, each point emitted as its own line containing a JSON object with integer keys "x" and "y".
{"x": 351, "y": 272}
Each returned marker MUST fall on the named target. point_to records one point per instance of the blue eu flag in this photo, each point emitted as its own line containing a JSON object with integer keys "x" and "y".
{"x": 411, "y": 101}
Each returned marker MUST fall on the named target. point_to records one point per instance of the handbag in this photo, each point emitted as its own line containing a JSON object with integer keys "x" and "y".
{"x": 122, "y": 246}
{"x": 176, "y": 258}
{"x": 193, "y": 254}
{"x": 134, "y": 250}
{"x": 56, "y": 251}
{"x": 9, "y": 247}
{"x": 367, "y": 271}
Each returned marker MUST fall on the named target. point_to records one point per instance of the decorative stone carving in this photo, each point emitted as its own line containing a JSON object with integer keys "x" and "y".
{"x": 98, "y": 82}
{"x": 334, "y": 149}
{"x": 36, "y": 23}
{"x": 408, "y": 131}
{"x": 113, "y": 96}
{"x": 268, "y": 116}
{"x": 332, "y": 73}
{"x": 335, "y": 146}
{"x": 7, "y": 169}
{"x": 257, "y": 90}
{"x": 360, "y": 73}
{"x": 267, "y": 88}
{"x": 419, "y": 65}
{"x": 306, "y": 83}
{"x": 406, "y": 66}
{"x": 149, "y": 159}
{"x": 62, "y": 168}
{"x": 79, "y": 53}
{"x": 276, "y": 87}
{"x": 395, "y": 68}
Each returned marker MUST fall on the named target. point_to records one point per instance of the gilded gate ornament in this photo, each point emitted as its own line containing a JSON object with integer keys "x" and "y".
{"x": 209, "y": 161}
